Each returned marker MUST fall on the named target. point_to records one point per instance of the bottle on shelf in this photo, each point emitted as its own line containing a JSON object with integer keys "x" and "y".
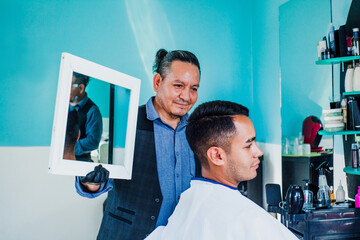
{"x": 356, "y": 78}
{"x": 323, "y": 194}
{"x": 340, "y": 193}
{"x": 349, "y": 75}
{"x": 343, "y": 105}
{"x": 331, "y": 38}
{"x": 332, "y": 195}
{"x": 357, "y": 198}
{"x": 355, "y": 42}
{"x": 308, "y": 196}
{"x": 355, "y": 155}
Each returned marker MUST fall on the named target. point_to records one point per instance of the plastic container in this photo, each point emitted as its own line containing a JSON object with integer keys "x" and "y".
{"x": 355, "y": 42}
{"x": 334, "y": 120}
{"x": 332, "y": 112}
{"x": 355, "y": 155}
{"x": 334, "y": 127}
{"x": 356, "y": 78}
{"x": 308, "y": 196}
{"x": 331, "y": 38}
{"x": 349, "y": 79}
{"x": 340, "y": 193}
{"x": 357, "y": 198}
{"x": 323, "y": 194}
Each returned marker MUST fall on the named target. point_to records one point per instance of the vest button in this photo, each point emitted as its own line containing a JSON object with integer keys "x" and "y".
{"x": 152, "y": 218}
{"x": 157, "y": 200}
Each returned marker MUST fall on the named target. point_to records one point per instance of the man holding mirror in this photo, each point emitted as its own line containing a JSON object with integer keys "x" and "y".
{"x": 163, "y": 161}
{"x": 90, "y": 120}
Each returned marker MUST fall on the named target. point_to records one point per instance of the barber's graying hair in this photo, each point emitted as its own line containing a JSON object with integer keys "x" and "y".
{"x": 81, "y": 79}
{"x": 211, "y": 124}
{"x": 164, "y": 59}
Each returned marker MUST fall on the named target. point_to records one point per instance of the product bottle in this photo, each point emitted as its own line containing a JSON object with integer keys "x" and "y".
{"x": 332, "y": 195}
{"x": 308, "y": 196}
{"x": 356, "y": 78}
{"x": 355, "y": 42}
{"x": 349, "y": 78}
{"x": 331, "y": 38}
{"x": 357, "y": 198}
{"x": 343, "y": 105}
{"x": 355, "y": 155}
{"x": 340, "y": 193}
{"x": 323, "y": 194}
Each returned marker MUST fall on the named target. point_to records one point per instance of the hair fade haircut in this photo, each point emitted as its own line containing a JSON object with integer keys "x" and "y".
{"x": 211, "y": 124}
{"x": 81, "y": 78}
{"x": 164, "y": 59}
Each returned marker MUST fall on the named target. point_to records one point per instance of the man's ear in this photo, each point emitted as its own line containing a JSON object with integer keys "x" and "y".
{"x": 156, "y": 81}
{"x": 79, "y": 134}
{"x": 216, "y": 156}
{"x": 81, "y": 88}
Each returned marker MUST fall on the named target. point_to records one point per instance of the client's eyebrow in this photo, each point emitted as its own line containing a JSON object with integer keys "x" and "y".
{"x": 250, "y": 140}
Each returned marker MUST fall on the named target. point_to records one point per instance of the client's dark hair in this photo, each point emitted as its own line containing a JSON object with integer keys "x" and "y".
{"x": 81, "y": 78}
{"x": 211, "y": 124}
{"x": 164, "y": 59}
{"x": 72, "y": 130}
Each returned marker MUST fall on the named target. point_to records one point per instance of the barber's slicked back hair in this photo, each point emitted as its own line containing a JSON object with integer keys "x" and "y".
{"x": 211, "y": 124}
{"x": 164, "y": 59}
{"x": 81, "y": 78}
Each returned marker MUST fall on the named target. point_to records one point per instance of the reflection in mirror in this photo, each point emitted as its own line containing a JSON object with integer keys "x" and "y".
{"x": 97, "y": 119}
{"x": 305, "y": 87}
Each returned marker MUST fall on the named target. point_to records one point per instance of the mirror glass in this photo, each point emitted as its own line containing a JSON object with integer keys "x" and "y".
{"x": 95, "y": 119}
{"x": 306, "y": 88}
{"x": 100, "y": 129}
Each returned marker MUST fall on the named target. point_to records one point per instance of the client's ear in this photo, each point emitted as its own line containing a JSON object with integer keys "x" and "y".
{"x": 216, "y": 156}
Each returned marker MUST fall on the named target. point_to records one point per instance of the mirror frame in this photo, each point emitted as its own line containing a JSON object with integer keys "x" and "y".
{"x": 70, "y": 64}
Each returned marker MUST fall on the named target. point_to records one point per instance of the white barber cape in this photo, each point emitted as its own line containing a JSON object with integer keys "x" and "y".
{"x": 210, "y": 210}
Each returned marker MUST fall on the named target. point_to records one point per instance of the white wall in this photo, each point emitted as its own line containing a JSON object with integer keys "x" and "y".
{"x": 38, "y": 205}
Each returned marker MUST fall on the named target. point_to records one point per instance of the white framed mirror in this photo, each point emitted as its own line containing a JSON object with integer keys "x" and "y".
{"x": 105, "y": 105}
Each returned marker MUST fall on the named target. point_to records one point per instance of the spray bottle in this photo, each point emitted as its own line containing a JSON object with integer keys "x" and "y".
{"x": 308, "y": 196}
{"x": 323, "y": 195}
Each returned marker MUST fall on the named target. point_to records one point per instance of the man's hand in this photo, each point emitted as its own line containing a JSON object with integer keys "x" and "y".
{"x": 92, "y": 181}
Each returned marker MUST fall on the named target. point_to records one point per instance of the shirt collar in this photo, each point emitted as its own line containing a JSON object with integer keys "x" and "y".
{"x": 153, "y": 115}
{"x": 80, "y": 104}
{"x": 214, "y": 182}
{"x": 83, "y": 101}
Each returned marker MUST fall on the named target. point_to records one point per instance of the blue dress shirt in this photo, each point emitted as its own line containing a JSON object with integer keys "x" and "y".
{"x": 175, "y": 163}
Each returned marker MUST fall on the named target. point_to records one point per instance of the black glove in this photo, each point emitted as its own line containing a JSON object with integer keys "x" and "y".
{"x": 96, "y": 177}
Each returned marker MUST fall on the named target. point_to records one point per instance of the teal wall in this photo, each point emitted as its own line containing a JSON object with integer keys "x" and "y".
{"x": 306, "y": 88}
{"x": 266, "y": 70}
{"x": 99, "y": 92}
{"x": 123, "y": 35}
{"x": 121, "y": 106}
